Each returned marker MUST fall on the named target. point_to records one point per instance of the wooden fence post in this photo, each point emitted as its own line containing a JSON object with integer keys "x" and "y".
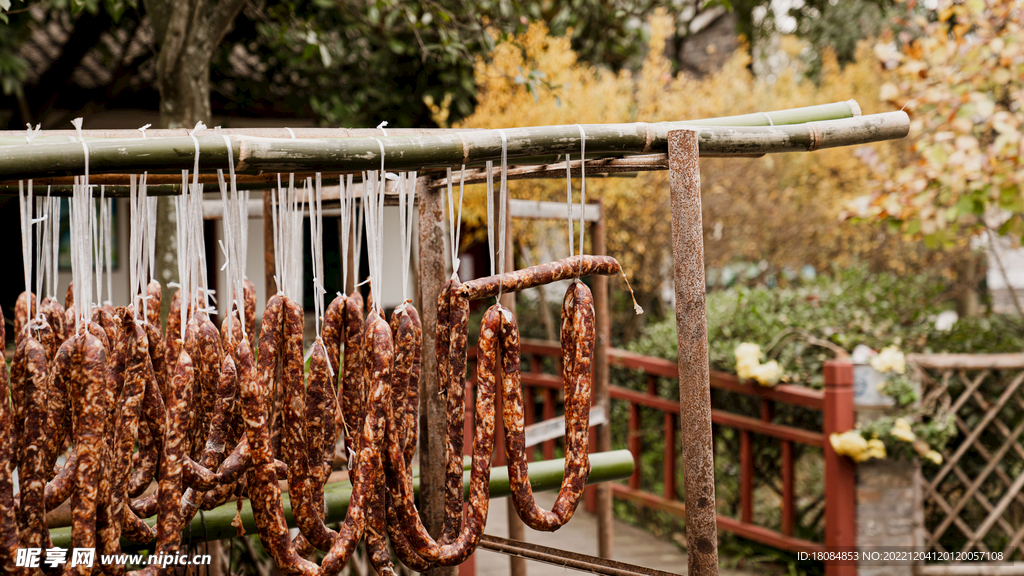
{"x": 840, "y": 471}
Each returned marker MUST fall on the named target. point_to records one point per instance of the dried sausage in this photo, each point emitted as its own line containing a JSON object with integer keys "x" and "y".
{"x": 179, "y": 401}
{"x": 155, "y": 293}
{"x": 203, "y": 343}
{"x": 173, "y": 335}
{"x": 264, "y": 493}
{"x": 213, "y": 451}
{"x": 310, "y": 465}
{"x": 28, "y": 374}
{"x": 379, "y": 348}
{"x": 9, "y": 540}
{"x": 539, "y": 275}
{"x": 54, "y": 314}
{"x": 351, "y": 386}
{"x": 137, "y": 371}
{"x": 89, "y": 392}
{"x": 456, "y": 405}
{"x": 405, "y": 385}
{"x": 24, "y": 311}
{"x": 249, "y": 290}
{"x": 577, "y": 353}
{"x": 400, "y": 484}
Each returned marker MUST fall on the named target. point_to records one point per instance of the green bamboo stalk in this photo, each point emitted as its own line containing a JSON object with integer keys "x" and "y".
{"x": 815, "y": 113}
{"x": 418, "y": 152}
{"x": 545, "y": 475}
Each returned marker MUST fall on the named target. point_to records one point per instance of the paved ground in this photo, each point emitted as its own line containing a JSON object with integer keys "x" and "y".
{"x": 631, "y": 544}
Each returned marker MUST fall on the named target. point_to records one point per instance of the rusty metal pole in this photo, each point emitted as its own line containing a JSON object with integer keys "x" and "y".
{"x": 602, "y": 395}
{"x": 433, "y": 415}
{"x": 692, "y": 335}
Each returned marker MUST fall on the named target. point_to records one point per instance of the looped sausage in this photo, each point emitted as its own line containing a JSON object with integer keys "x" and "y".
{"x": 577, "y": 332}
{"x": 400, "y": 485}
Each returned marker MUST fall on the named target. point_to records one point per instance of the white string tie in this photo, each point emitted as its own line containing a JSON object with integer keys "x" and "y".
{"x": 583, "y": 191}
{"x": 503, "y": 192}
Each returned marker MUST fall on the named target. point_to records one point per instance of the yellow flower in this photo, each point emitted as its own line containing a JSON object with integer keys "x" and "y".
{"x": 934, "y": 456}
{"x": 876, "y": 449}
{"x": 748, "y": 359}
{"x": 890, "y": 359}
{"x": 901, "y": 429}
{"x": 768, "y": 374}
{"x": 849, "y": 443}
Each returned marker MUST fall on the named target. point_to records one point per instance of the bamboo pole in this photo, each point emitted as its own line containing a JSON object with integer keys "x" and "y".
{"x": 434, "y": 151}
{"x": 547, "y": 475}
{"x": 817, "y": 112}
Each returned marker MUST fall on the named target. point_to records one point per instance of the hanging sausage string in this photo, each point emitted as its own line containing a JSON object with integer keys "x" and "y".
{"x": 113, "y": 401}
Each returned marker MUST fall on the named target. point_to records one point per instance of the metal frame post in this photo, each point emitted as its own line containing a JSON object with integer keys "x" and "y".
{"x": 692, "y": 335}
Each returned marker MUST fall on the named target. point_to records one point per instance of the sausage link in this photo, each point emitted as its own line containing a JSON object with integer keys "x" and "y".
{"x": 62, "y": 485}
{"x": 28, "y": 374}
{"x": 577, "y": 353}
{"x": 405, "y": 387}
{"x": 89, "y": 385}
{"x": 204, "y": 346}
{"x": 298, "y": 446}
{"x": 379, "y": 348}
{"x": 400, "y": 483}
{"x": 249, "y": 290}
{"x": 264, "y": 493}
{"x": 24, "y": 311}
{"x": 213, "y": 451}
{"x": 351, "y": 385}
{"x": 173, "y": 335}
{"x": 58, "y": 404}
{"x": 310, "y": 465}
{"x": 137, "y": 369}
{"x": 134, "y": 529}
{"x": 10, "y": 542}
{"x": 333, "y": 333}
{"x": 400, "y": 544}
{"x": 376, "y": 530}
{"x": 231, "y": 330}
{"x": 158, "y": 357}
{"x": 152, "y": 440}
{"x": 155, "y": 293}
{"x": 179, "y": 402}
{"x": 456, "y": 405}
{"x": 539, "y": 275}
{"x": 54, "y": 314}
{"x": 69, "y": 296}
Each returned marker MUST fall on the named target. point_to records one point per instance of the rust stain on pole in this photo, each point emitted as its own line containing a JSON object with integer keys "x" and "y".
{"x": 692, "y": 334}
{"x": 433, "y": 416}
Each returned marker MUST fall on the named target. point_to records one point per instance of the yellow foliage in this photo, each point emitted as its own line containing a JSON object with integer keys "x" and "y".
{"x": 783, "y": 209}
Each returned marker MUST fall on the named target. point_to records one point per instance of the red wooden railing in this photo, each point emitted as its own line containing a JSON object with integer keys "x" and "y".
{"x": 836, "y": 402}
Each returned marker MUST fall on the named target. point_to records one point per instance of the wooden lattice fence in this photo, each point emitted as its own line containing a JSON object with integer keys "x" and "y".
{"x": 974, "y": 501}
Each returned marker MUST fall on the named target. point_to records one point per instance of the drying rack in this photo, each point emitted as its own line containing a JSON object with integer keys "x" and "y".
{"x": 54, "y": 157}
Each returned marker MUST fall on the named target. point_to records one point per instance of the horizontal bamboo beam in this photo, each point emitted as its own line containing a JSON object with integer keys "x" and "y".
{"x": 445, "y": 150}
{"x": 545, "y": 475}
{"x": 832, "y": 111}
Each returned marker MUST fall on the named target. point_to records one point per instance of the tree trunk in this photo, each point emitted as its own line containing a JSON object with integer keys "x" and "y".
{"x": 185, "y": 93}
